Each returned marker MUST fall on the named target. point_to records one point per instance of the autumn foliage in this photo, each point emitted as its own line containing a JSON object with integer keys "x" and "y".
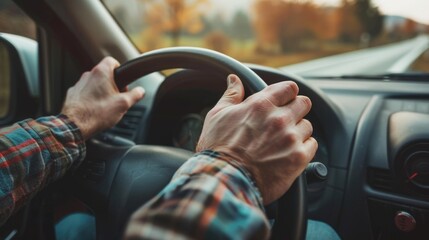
{"x": 284, "y": 26}
{"x": 173, "y": 17}
{"x": 265, "y": 27}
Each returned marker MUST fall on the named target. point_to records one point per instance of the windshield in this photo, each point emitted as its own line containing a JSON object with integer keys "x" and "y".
{"x": 307, "y": 37}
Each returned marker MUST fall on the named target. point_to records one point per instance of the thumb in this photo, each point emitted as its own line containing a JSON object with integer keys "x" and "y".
{"x": 234, "y": 93}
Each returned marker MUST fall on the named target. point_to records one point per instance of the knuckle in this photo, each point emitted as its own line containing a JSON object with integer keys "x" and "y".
{"x": 97, "y": 70}
{"x": 315, "y": 144}
{"x": 305, "y": 101}
{"x": 271, "y": 87}
{"x": 291, "y": 87}
{"x": 111, "y": 61}
{"x": 108, "y": 59}
{"x": 307, "y": 124}
{"x": 312, "y": 149}
{"x": 300, "y": 156}
{"x": 258, "y": 104}
{"x": 306, "y": 121}
{"x": 124, "y": 103}
{"x": 290, "y": 137}
{"x": 278, "y": 122}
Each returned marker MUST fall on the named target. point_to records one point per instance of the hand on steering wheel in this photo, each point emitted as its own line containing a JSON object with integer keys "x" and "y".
{"x": 266, "y": 134}
{"x": 120, "y": 189}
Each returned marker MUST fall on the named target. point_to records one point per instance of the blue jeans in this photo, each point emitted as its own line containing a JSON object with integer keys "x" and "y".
{"x": 76, "y": 226}
{"x": 81, "y": 226}
{"x": 317, "y": 230}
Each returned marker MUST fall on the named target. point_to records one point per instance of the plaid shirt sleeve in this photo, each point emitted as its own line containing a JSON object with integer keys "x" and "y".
{"x": 209, "y": 197}
{"x": 34, "y": 153}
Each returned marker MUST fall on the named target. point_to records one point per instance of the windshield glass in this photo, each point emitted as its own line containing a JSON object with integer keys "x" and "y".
{"x": 307, "y": 37}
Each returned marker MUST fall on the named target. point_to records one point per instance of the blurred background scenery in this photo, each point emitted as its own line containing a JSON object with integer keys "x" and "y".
{"x": 269, "y": 32}
{"x": 13, "y": 20}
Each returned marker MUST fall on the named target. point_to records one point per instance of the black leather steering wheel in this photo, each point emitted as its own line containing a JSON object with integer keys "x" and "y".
{"x": 115, "y": 181}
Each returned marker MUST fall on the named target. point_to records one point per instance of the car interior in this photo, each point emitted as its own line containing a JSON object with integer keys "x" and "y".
{"x": 373, "y": 133}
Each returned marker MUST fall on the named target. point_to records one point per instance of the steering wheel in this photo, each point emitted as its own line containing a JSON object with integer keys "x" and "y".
{"x": 114, "y": 181}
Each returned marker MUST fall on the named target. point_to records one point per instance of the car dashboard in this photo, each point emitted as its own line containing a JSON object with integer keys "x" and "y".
{"x": 373, "y": 136}
{"x": 390, "y": 125}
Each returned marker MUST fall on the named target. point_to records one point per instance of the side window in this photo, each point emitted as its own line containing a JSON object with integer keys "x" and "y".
{"x": 13, "y": 21}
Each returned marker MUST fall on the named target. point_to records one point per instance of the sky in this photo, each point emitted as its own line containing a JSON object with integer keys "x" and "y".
{"x": 417, "y": 10}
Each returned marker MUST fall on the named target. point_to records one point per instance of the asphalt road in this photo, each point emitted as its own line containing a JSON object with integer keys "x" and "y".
{"x": 391, "y": 58}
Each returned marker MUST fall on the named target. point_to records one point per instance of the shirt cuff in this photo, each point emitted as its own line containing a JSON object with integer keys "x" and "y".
{"x": 75, "y": 139}
{"x": 229, "y": 171}
{"x": 69, "y": 135}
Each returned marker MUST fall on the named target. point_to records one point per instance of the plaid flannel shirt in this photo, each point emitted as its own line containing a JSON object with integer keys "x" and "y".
{"x": 209, "y": 197}
{"x": 32, "y": 154}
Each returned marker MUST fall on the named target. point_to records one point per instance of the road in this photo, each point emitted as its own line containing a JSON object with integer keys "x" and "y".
{"x": 391, "y": 58}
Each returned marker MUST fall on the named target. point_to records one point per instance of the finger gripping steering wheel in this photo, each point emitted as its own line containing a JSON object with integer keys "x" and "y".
{"x": 291, "y": 219}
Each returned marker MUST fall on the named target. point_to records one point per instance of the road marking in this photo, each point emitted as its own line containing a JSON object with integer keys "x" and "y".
{"x": 394, "y": 57}
{"x": 422, "y": 44}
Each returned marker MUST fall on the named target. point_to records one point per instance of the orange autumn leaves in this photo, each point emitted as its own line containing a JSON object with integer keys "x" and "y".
{"x": 173, "y": 17}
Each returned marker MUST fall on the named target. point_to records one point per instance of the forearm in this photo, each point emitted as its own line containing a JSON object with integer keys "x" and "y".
{"x": 32, "y": 154}
{"x": 208, "y": 198}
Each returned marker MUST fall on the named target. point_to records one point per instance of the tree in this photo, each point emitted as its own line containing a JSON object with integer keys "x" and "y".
{"x": 369, "y": 17}
{"x": 409, "y": 28}
{"x": 241, "y": 27}
{"x": 359, "y": 18}
{"x": 175, "y": 16}
{"x": 304, "y": 21}
{"x": 350, "y": 28}
{"x": 217, "y": 41}
{"x": 284, "y": 25}
{"x": 267, "y": 24}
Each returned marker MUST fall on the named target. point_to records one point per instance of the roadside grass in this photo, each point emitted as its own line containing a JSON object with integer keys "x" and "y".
{"x": 422, "y": 63}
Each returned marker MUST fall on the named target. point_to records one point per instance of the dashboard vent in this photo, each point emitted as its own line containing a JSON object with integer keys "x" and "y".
{"x": 381, "y": 179}
{"x": 127, "y": 127}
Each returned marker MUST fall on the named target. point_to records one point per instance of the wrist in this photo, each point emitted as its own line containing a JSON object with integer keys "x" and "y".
{"x": 250, "y": 171}
{"x": 81, "y": 121}
{"x": 67, "y": 120}
{"x": 68, "y": 136}
{"x": 251, "y": 174}
{"x": 214, "y": 164}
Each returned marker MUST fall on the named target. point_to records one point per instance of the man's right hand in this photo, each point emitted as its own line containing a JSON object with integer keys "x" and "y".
{"x": 95, "y": 103}
{"x": 266, "y": 133}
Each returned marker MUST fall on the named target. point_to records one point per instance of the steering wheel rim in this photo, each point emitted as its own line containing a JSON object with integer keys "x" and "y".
{"x": 187, "y": 58}
{"x": 291, "y": 220}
